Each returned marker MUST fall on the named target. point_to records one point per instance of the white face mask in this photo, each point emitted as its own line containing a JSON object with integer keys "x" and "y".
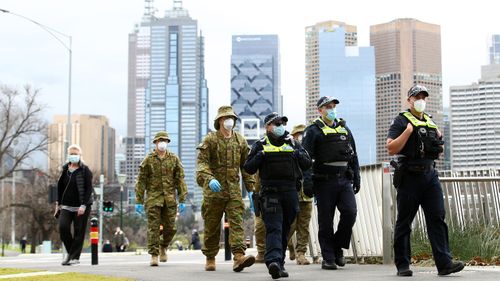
{"x": 299, "y": 138}
{"x": 162, "y": 146}
{"x": 229, "y": 124}
{"x": 419, "y": 105}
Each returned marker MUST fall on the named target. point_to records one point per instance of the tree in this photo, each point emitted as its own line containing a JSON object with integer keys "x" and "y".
{"x": 23, "y": 131}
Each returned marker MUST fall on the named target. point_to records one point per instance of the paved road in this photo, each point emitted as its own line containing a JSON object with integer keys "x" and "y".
{"x": 189, "y": 266}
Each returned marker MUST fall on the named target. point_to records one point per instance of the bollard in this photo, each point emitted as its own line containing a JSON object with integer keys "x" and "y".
{"x": 227, "y": 247}
{"x": 94, "y": 239}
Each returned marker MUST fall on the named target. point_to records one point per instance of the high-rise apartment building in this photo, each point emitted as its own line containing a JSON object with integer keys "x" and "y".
{"x": 347, "y": 72}
{"x": 255, "y": 81}
{"x": 312, "y": 60}
{"x": 494, "y": 50}
{"x": 93, "y": 134}
{"x": 475, "y": 130}
{"x": 407, "y": 52}
{"x": 167, "y": 87}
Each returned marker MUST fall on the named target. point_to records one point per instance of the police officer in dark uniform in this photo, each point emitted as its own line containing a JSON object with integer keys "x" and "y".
{"x": 416, "y": 141}
{"x": 279, "y": 161}
{"x": 334, "y": 180}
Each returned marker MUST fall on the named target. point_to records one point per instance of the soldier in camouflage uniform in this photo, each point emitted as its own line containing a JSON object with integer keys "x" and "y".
{"x": 301, "y": 223}
{"x": 260, "y": 232}
{"x": 160, "y": 175}
{"x": 220, "y": 160}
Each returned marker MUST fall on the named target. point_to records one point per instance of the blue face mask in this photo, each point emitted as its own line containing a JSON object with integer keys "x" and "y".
{"x": 74, "y": 158}
{"x": 331, "y": 114}
{"x": 279, "y": 130}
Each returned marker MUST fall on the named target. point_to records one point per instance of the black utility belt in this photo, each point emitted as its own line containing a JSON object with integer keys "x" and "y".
{"x": 266, "y": 188}
{"x": 326, "y": 177}
{"x": 418, "y": 168}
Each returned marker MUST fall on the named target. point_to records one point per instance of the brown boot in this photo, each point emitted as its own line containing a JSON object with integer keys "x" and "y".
{"x": 154, "y": 261}
{"x": 292, "y": 254}
{"x": 241, "y": 261}
{"x": 259, "y": 258}
{"x": 210, "y": 265}
{"x": 163, "y": 254}
{"x": 301, "y": 259}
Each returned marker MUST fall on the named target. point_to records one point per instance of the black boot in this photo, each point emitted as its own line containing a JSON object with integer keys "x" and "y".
{"x": 328, "y": 265}
{"x": 275, "y": 270}
{"x": 339, "y": 257}
{"x": 455, "y": 266}
{"x": 405, "y": 272}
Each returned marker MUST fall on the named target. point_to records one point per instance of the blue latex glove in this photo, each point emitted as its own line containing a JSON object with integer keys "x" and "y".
{"x": 251, "y": 201}
{"x": 214, "y": 185}
{"x": 139, "y": 209}
{"x": 182, "y": 207}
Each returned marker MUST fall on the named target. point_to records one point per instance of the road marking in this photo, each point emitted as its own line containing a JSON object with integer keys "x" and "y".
{"x": 30, "y": 274}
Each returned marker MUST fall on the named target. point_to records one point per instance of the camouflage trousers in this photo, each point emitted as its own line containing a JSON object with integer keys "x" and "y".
{"x": 301, "y": 226}
{"x": 164, "y": 215}
{"x": 260, "y": 235}
{"x": 212, "y": 210}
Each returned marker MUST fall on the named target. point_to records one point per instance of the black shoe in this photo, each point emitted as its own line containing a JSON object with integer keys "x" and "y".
{"x": 275, "y": 270}
{"x": 67, "y": 261}
{"x": 328, "y": 265}
{"x": 283, "y": 272}
{"x": 339, "y": 257}
{"x": 405, "y": 272}
{"x": 455, "y": 266}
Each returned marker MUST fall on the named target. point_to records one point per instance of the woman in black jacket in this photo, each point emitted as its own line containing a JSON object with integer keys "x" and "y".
{"x": 74, "y": 203}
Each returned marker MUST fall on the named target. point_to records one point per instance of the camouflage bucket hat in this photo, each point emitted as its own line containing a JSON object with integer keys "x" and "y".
{"x": 298, "y": 129}
{"x": 161, "y": 135}
{"x": 224, "y": 111}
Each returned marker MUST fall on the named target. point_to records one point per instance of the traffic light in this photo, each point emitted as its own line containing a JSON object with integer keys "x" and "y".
{"x": 107, "y": 206}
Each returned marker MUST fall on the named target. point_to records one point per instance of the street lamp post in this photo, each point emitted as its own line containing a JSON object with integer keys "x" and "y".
{"x": 53, "y": 33}
{"x": 121, "y": 180}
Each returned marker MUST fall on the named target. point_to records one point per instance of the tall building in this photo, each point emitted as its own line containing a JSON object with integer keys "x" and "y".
{"x": 93, "y": 134}
{"x": 495, "y": 49}
{"x": 347, "y": 72}
{"x": 475, "y": 130}
{"x": 407, "y": 52}
{"x": 255, "y": 81}
{"x": 167, "y": 87}
{"x": 312, "y": 60}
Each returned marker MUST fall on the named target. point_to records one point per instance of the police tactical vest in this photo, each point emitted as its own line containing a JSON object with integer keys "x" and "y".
{"x": 427, "y": 144}
{"x": 278, "y": 163}
{"x": 334, "y": 145}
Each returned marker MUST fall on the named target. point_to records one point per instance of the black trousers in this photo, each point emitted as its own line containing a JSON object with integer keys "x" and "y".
{"x": 73, "y": 240}
{"x": 421, "y": 190}
{"x": 279, "y": 212}
{"x": 335, "y": 192}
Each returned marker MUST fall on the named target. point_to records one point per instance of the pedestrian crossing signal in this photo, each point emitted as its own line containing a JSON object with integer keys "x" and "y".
{"x": 107, "y": 206}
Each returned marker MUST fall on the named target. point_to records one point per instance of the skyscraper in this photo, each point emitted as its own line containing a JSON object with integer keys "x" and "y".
{"x": 255, "y": 81}
{"x": 312, "y": 60}
{"x": 93, "y": 134}
{"x": 407, "y": 52}
{"x": 495, "y": 49}
{"x": 475, "y": 130}
{"x": 347, "y": 72}
{"x": 167, "y": 86}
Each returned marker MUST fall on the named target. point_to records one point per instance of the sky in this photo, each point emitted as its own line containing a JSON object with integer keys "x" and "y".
{"x": 100, "y": 28}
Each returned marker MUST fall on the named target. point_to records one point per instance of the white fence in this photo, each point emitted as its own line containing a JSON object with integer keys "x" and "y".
{"x": 470, "y": 197}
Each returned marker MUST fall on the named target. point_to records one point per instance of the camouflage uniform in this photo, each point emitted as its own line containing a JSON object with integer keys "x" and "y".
{"x": 301, "y": 223}
{"x": 222, "y": 159}
{"x": 159, "y": 178}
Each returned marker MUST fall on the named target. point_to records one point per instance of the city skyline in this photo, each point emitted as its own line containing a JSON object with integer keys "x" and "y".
{"x": 22, "y": 63}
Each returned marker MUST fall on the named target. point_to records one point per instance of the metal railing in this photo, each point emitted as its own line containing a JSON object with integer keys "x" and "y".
{"x": 470, "y": 197}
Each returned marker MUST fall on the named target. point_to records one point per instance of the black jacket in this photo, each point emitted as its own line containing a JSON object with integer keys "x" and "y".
{"x": 312, "y": 137}
{"x": 75, "y": 189}
{"x": 255, "y": 160}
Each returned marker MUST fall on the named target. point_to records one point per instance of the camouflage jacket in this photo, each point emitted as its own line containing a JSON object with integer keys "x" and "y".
{"x": 159, "y": 178}
{"x": 222, "y": 159}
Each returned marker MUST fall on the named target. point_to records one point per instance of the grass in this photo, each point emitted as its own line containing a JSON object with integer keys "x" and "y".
{"x": 7, "y": 271}
{"x": 474, "y": 243}
{"x": 71, "y": 276}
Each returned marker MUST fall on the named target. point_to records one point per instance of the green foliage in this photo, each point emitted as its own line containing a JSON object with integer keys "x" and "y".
{"x": 472, "y": 242}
